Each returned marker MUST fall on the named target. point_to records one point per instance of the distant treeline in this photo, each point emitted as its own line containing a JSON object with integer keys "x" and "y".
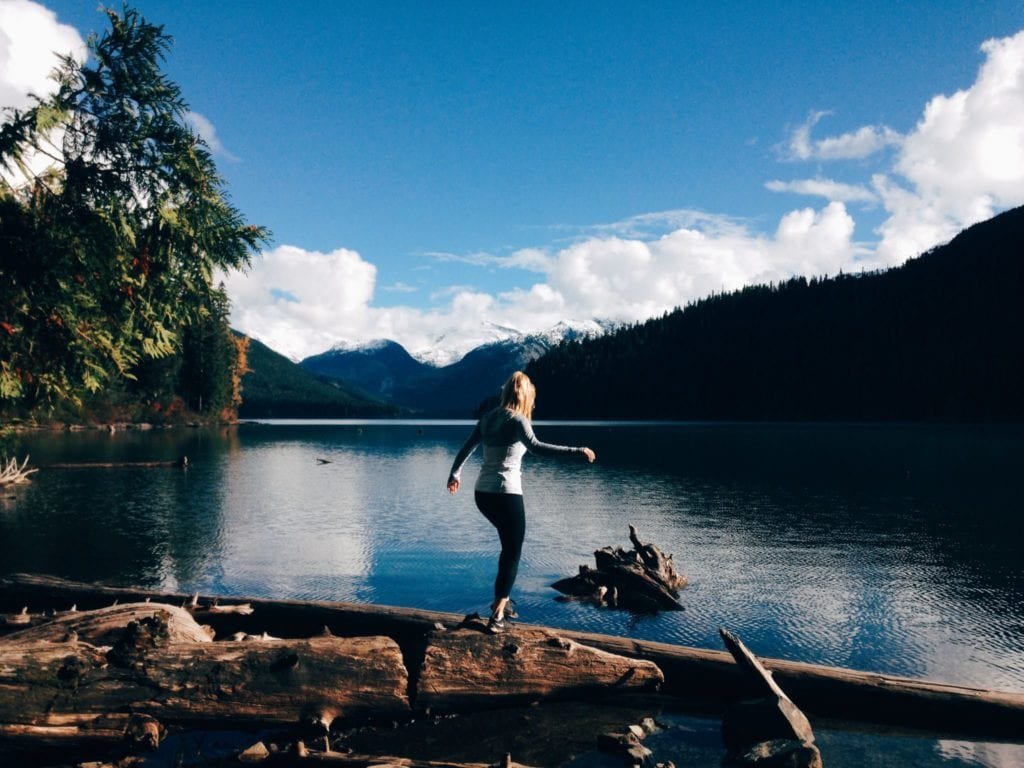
{"x": 939, "y": 338}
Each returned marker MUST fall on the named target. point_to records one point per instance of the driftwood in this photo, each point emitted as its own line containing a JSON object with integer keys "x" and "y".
{"x": 704, "y": 678}
{"x": 61, "y": 681}
{"x": 55, "y": 691}
{"x": 466, "y": 668}
{"x": 642, "y": 579}
{"x": 345, "y": 760}
{"x": 182, "y": 463}
{"x": 764, "y": 730}
{"x": 11, "y": 473}
{"x": 106, "y": 626}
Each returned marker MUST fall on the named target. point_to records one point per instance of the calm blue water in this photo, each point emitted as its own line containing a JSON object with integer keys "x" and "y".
{"x": 888, "y": 548}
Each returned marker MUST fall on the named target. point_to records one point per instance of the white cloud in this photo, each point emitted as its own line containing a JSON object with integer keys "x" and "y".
{"x": 800, "y": 146}
{"x": 964, "y": 160}
{"x": 861, "y": 143}
{"x": 962, "y": 163}
{"x": 208, "y": 133}
{"x": 827, "y": 188}
{"x": 31, "y": 38}
{"x": 400, "y": 287}
{"x": 301, "y": 303}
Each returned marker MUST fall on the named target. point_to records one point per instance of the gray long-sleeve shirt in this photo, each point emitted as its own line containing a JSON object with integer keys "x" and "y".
{"x": 506, "y": 436}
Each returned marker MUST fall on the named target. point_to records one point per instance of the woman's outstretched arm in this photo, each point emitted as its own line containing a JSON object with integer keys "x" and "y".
{"x": 529, "y": 439}
{"x": 454, "y": 476}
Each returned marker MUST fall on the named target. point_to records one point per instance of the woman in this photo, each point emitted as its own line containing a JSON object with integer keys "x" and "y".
{"x": 506, "y": 435}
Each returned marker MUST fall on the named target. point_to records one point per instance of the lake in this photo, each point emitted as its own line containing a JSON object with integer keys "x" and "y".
{"x": 890, "y": 548}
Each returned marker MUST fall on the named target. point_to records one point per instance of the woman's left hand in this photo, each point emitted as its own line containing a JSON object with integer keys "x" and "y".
{"x": 590, "y": 455}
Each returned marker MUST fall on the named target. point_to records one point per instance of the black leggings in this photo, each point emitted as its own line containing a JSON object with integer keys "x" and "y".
{"x": 505, "y": 511}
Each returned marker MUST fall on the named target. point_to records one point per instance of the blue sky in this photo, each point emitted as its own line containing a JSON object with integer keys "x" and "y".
{"x": 434, "y": 170}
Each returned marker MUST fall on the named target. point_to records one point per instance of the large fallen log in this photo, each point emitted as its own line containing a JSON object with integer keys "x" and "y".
{"x": 68, "y": 687}
{"x": 106, "y": 626}
{"x": 345, "y": 760}
{"x": 704, "y": 678}
{"x": 466, "y": 668}
{"x": 58, "y": 680}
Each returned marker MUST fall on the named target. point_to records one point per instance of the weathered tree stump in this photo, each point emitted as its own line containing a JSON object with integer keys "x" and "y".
{"x": 465, "y": 668}
{"x": 642, "y": 579}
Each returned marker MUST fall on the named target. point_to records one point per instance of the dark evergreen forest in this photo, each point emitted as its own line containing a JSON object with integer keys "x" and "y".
{"x": 937, "y": 339}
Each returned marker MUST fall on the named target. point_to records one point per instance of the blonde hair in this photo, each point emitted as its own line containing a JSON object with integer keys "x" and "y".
{"x": 518, "y": 394}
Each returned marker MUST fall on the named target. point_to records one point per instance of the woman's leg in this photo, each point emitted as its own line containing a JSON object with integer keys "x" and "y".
{"x": 506, "y": 512}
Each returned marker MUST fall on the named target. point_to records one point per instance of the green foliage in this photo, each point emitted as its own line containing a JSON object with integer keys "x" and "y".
{"x": 937, "y": 339}
{"x": 107, "y": 258}
{"x": 277, "y": 387}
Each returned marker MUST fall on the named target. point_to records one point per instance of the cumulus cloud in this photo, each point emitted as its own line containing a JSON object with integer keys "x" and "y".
{"x": 302, "y": 303}
{"x": 827, "y": 188}
{"x": 960, "y": 164}
{"x": 298, "y": 301}
{"x": 31, "y": 39}
{"x": 208, "y": 133}
{"x": 963, "y": 161}
{"x": 863, "y": 142}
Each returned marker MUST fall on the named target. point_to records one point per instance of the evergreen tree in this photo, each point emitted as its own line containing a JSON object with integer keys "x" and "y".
{"x": 107, "y": 258}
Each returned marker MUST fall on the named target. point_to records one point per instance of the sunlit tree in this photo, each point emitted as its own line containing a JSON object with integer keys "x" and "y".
{"x": 107, "y": 257}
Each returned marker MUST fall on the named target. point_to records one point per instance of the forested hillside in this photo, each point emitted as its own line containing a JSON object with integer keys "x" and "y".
{"x": 108, "y": 308}
{"x": 938, "y": 338}
{"x": 275, "y": 387}
{"x": 390, "y": 373}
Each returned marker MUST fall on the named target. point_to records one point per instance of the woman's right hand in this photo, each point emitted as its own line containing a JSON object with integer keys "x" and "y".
{"x": 453, "y": 485}
{"x": 590, "y": 455}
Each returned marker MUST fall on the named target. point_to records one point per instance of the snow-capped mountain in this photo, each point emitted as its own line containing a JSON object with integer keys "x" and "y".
{"x": 446, "y": 350}
{"x": 435, "y": 381}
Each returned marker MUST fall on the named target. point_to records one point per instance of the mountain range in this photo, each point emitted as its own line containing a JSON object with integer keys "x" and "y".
{"x": 386, "y": 371}
{"x": 275, "y": 387}
{"x": 936, "y": 339}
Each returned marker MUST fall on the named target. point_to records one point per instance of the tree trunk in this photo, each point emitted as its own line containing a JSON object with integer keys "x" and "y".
{"x": 74, "y": 684}
{"x": 106, "y": 626}
{"x": 467, "y": 668}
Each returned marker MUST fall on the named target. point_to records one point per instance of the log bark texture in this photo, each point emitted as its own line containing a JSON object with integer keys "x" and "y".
{"x": 106, "y": 626}
{"x": 467, "y": 668}
{"x": 703, "y": 677}
{"x": 341, "y": 759}
{"x": 72, "y": 684}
